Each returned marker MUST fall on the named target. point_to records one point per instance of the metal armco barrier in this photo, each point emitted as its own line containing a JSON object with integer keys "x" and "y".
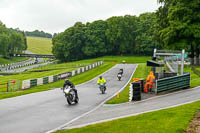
{"x": 173, "y": 83}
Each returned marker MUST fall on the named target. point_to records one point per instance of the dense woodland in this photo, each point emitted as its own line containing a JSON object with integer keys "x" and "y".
{"x": 37, "y": 33}
{"x": 175, "y": 25}
{"x": 11, "y": 41}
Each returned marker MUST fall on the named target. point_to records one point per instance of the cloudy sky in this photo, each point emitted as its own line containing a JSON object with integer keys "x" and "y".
{"x": 55, "y": 16}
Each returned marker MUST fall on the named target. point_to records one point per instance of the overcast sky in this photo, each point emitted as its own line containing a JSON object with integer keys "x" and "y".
{"x": 55, "y": 16}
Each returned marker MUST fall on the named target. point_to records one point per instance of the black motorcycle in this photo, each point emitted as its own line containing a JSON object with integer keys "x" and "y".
{"x": 70, "y": 95}
{"x": 119, "y": 75}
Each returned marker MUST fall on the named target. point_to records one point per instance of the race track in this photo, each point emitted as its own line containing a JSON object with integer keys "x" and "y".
{"x": 44, "y": 111}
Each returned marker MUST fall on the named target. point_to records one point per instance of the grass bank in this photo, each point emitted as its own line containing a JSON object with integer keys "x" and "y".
{"x": 173, "y": 120}
{"x": 39, "y": 45}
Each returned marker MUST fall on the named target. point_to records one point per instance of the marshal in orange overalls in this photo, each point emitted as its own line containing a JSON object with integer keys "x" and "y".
{"x": 150, "y": 82}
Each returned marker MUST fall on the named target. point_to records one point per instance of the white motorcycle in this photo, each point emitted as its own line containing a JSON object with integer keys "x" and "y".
{"x": 70, "y": 95}
{"x": 119, "y": 76}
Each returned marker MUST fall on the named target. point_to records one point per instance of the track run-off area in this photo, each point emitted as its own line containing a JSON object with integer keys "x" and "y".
{"x": 45, "y": 111}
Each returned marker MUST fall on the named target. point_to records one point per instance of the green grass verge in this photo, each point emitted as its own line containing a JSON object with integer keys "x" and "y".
{"x": 39, "y": 45}
{"x": 12, "y": 60}
{"x": 195, "y": 79}
{"x": 124, "y": 95}
{"x": 172, "y": 120}
{"x": 81, "y": 78}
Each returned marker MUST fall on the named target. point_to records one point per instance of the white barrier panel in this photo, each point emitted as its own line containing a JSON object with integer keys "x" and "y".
{"x": 93, "y": 65}
{"x": 40, "y": 81}
{"x": 90, "y": 66}
{"x": 50, "y": 79}
{"x": 26, "y": 84}
{"x": 86, "y": 68}
{"x": 73, "y": 73}
{"x": 83, "y": 69}
{"x": 78, "y": 71}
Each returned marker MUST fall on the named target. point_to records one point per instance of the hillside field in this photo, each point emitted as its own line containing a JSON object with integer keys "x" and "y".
{"x": 39, "y": 45}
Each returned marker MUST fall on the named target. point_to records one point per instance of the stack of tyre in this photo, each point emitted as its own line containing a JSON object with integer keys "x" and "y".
{"x": 136, "y": 86}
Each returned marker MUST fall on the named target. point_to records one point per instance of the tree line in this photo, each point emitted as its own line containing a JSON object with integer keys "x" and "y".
{"x": 118, "y": 35}
{"x": 11, "y": 41}
{"x": 175, "y": 25}
{"x": 37, "y": 33}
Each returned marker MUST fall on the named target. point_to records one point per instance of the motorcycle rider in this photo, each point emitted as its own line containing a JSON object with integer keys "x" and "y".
{"x": 101, "y": 80}
{"x": 71, "y": 85}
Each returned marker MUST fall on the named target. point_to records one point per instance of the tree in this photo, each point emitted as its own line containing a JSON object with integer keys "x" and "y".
{"x": 145, "y": 42}
{"x": 96, "y": 41}
{"x": 180, "y": 27}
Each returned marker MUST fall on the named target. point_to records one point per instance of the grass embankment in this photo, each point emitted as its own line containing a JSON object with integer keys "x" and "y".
{"x": 12, "y": 60}
{"x": 195, "y": 79}
{"x": 173, "y": 120}
{"x": 124, "y": 95}
{"x": 39, "y": 45}
{"x": 81, "y": 78}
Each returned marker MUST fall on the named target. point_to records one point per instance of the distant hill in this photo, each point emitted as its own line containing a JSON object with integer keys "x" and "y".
{"x": 39, "y": 45}
{"x": 38, "y": 33}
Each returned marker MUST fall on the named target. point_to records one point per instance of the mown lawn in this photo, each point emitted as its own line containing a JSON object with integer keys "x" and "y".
{"x": 39, "y": 45}
{"x": 172, "y": 120}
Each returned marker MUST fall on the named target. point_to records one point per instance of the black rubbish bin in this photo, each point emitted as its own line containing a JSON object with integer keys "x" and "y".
{"x": 136, "y": 86}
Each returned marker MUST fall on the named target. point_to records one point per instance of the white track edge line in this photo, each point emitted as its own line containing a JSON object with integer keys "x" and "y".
{"x": 60, "y": 127}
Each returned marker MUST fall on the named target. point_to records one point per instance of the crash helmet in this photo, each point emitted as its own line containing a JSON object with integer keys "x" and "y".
{"x": 66, "y": 80}
{"x": 100, "y": 77}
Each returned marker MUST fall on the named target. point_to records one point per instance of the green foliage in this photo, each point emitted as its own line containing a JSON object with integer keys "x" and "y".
{"x": 11, "y": 41}
{"x": 178, "y": 25}
{"x": 123, "y": 35}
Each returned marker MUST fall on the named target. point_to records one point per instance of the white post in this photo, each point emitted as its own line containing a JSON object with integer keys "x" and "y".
{"x": 154, "y": 53}
{"x": 182, "y": 61}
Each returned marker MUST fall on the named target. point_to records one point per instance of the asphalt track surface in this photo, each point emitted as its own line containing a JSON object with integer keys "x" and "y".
{"x": 108, "y": 112}
{"x": 44, "y": 111}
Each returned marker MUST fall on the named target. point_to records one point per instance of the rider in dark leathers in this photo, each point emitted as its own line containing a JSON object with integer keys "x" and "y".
{"x": 71, "y": 85}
